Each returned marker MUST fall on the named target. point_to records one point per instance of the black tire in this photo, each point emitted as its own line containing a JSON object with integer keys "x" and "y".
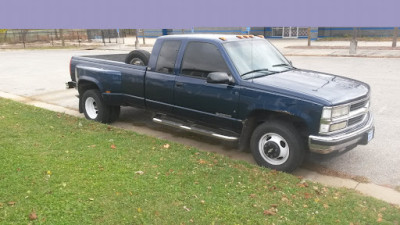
{"x": 94, "y": 107}
{"x": 114, "y": 113}
{"x": 138, "y": 57}
{"x": 277, "y": 145}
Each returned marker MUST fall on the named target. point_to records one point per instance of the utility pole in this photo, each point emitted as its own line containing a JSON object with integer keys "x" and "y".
{"x": 144, "y": 41}
{"x": 309, "y": 37}
{"x": 137, "y": 39}
{"x": 353, "y": 42}
{"x": 395, "y": 35}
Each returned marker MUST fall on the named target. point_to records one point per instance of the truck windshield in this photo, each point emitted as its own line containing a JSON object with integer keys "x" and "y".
{"x": 254, "y": 58}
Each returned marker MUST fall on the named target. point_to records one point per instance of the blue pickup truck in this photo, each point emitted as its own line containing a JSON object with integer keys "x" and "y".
{"x": 233, "y": 87}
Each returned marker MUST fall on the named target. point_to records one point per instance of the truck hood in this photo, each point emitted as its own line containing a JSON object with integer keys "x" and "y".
{"x": 327, "y": 87}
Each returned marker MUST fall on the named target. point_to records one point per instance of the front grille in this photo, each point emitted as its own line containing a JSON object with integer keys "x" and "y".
{"x": 358, "y": 105}
{"x": 355, "y": 120}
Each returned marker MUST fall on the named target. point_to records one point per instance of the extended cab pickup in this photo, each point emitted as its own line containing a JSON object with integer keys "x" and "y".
{"x": 237, "y": 88}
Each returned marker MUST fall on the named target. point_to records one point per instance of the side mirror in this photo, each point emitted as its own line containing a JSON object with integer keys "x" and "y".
{"x": 219, "y": 78}
{"x": 290, "y": 62}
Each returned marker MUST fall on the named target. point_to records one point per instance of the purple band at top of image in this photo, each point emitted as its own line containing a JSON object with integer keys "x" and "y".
{"x": 200, "y": 13}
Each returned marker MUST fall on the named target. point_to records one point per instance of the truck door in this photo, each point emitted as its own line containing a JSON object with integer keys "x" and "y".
{"x": 198, "y": 100}
{"x": 160, "y": 80}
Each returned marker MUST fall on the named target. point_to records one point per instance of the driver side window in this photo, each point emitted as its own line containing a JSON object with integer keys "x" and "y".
{"x": 202, "y": 58}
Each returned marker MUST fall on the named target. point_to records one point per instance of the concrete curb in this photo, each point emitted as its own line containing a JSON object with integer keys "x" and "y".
{"x": 383, "y": 193}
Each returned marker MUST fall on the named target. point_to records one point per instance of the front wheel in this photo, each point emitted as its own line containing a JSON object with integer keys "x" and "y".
{"x": 277, "y": 145}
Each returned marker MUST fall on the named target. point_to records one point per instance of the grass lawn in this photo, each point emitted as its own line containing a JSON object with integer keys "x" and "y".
{"x": 58, "y": 169}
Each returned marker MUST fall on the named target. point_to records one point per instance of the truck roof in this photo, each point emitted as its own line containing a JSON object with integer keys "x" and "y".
{"x": 214, "y": 37}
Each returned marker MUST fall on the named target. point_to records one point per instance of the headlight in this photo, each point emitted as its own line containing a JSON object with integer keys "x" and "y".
{"x": 338, "y": 126}
{"x": 340, "y": 111}
{"x": 329, "y": 113}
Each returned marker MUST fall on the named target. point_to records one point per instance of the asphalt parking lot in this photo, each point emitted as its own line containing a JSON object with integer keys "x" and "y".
{"x": 41, "y": 75}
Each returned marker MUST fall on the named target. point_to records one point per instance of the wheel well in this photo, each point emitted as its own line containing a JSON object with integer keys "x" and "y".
{"x": 82, "y": 87}
{"x": 258, "y": 117}
{"x": 86, "y": 85}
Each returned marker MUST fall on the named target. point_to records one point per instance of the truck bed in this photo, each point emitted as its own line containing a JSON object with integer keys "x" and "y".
{"x": 120, "y": 83}
{"x": 113, "y": 57}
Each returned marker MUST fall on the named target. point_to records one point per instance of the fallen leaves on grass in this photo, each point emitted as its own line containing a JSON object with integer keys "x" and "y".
{"x": 186, "y": 208}
{"x": 201, "y": 161}
{"x": 32, "y": 215}
{"x": 302, "y": 184}
{"x": 379, "y": 218}
{"x": 269, "y": 212}
{"x": 11, "y": 203}
{"x": 139, "y": 172}
{"x": 166, "y": 146}
{"x": 113, "y": 146}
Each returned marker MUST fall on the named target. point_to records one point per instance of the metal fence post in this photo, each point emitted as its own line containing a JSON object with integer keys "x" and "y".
{"x": 353, "y": 42}
{"x": 137, "y": 39}
{"x": 144, "y": 41}
{"x": 395, "y": 35}
{"x": 102, "y": 36}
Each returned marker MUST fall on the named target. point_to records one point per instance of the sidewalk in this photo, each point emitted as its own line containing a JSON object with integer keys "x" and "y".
{"x": 383, "y": 193}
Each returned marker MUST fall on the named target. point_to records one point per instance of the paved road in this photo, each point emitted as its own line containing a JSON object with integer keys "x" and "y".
{"x": 41, "y": 75}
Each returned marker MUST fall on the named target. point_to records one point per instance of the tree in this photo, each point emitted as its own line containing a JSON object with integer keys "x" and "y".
{"x": 23, "y": 36}
{"x": 62, "y": 37}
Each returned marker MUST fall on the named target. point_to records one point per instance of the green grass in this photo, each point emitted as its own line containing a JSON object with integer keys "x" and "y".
{"x": 73, "y": 171}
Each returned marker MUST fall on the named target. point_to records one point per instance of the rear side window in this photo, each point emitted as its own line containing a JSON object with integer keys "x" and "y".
{"x": 167, "y": 57}
{"x": 202, "y": 58}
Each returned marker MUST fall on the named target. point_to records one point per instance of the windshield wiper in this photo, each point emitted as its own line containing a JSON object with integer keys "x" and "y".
{"x": 254, "y": 71}
{"x": 283, "y": 64}
{"x": 269, "y": 72}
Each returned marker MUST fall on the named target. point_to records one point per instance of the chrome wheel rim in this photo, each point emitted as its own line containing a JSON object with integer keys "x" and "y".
{"x": 137, "y": 62}
{"x": 273, "y": 148}
{"x": 91, "y": 108}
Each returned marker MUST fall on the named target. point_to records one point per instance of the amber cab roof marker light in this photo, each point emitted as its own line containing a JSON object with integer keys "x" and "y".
{"x": 251, "y": 36}
{"x": 260, "y": 36}
{"x": 239, "y": 36}
{"x": 222, "y": 38}
{"x": 246, "y": 36}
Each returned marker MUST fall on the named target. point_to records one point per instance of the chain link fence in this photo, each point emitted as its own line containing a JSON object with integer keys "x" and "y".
{"x": 61, "y": 37}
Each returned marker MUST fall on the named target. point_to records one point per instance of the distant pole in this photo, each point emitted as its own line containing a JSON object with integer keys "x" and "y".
{"x": 309, "y": 36}
{"x": 353, "y": 42}
{"x": 395, "y": 35}
{"x": 79, "y": 39}
{"x": 137, "y": 39}
{"x": 62, "y": 37}
{"x": 102, "y": 36}
{"x": 144, "y": 41}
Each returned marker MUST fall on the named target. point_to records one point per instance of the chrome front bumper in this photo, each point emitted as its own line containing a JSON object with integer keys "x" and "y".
{"x": 342, "y": 141}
